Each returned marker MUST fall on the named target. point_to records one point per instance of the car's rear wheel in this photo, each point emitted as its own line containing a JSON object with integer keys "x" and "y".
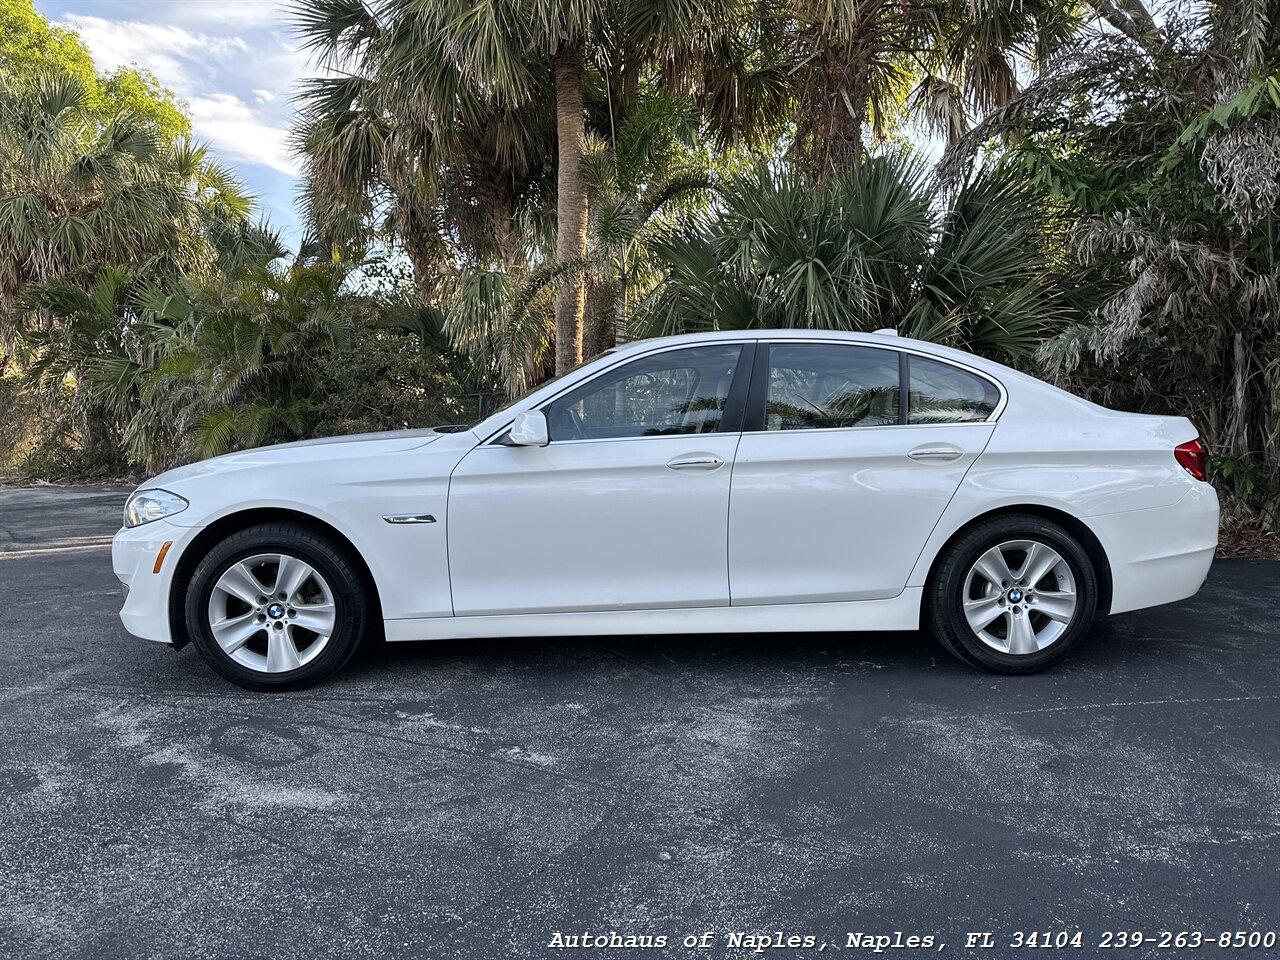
{"x": 1013, "y": 594}
{"x": 277, "y": 607}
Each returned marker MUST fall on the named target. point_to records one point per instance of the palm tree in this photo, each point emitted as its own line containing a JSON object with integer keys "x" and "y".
{"x": 849, "y": 64}
{"x": 88, "y": 210}
{"x": 618, "y": 42}
{"x": 979, "y": 50}
{"x": 429, "y": 91}
{"x": 874, "y": 63}
{"x": 654, "y": 171}
{"x": 439, "y": 131}
{"x": 399, "y": 144}
{"x": 879, "y": 246}
{"x": 75, "y": 192}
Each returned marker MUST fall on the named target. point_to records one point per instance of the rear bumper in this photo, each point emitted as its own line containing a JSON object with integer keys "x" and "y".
{"x": 145, "y": 613}
{"x": 1160, "y": 555}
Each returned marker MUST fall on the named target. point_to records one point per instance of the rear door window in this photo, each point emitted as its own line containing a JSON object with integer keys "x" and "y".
{"x": 941, "y": 393}
{"x": 815, "y": 386}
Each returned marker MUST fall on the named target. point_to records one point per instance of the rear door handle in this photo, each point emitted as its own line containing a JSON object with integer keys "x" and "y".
{"x": 695, "y": 463}
{"x": 936, "y": 453}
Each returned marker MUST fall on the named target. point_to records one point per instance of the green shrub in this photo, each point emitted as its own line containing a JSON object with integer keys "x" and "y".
{"x": 18, "y": 424}
{"x": 383, "y": 379}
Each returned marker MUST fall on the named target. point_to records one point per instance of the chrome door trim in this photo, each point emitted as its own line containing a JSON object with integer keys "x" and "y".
{"x": 943, "y": 454}
{"x": 685, "y": 463}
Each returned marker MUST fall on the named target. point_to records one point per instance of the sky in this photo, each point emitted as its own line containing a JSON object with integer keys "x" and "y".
{"x": 233, "y": 61}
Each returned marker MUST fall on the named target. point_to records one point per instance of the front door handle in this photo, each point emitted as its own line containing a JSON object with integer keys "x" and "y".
{"x": 936, "y": 453}
{"x": 695, "y": 463}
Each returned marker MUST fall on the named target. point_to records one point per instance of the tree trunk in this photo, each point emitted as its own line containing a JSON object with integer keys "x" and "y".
{"x": 1240, "y": 398}
{"x": 426, "y": 280}
{"x": 598, "y": 326}
{"x": 848, "y": 106}
{"x": 496, "y": 194}
{"x": 571, "y": 203}
{"x": 620, "y": 332}
{"x": 834, "y": 100}
{"x": 425, "y": 250}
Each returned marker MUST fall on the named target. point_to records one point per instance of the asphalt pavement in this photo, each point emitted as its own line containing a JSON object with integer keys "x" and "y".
{"x": 472, "y": 799}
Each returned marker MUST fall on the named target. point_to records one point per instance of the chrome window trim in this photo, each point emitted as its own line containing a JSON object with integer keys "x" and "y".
{"x": 878, "y": 426}
{"x": 896, "y": 348}
{"x": 656, "y": 436}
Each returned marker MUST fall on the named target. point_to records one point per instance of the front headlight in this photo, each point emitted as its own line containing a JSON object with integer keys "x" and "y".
{"x": 147, "y": 505}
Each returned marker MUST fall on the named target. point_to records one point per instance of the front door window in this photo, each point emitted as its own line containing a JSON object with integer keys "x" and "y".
{"x": 665, "y": 394}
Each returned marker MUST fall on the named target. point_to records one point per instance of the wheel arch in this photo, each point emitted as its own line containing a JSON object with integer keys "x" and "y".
{"x": 233, "y": 523}
{"x": 1076, "y": 527}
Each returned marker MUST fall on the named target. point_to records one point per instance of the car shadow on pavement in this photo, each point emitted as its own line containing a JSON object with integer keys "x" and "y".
{"x": 909, "y": 650}
{"x": 1120, "y": 643}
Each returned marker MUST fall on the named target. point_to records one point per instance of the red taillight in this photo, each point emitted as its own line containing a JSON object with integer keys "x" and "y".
{"x": 1191, "y": 455}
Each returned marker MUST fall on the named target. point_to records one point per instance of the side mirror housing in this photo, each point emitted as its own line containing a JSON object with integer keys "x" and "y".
{"x": 529, "y": 429}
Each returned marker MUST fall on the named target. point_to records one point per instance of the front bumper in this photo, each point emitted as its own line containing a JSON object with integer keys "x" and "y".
{"x": 1162, "y": 554}
{"x": 134, "y": 552}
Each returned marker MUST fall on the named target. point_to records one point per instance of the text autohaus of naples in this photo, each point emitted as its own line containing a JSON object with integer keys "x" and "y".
{"x": 757, "y": 942}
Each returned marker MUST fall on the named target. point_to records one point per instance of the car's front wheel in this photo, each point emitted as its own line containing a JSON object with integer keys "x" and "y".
{"x": 277, "y": 606}
{"x": 1013, "y": 594}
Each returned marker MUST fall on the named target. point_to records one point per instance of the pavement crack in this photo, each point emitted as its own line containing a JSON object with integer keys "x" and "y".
{"x": 488, "y": 758}
{"x": 275, "y": 842}
{"x": 1172, "y": 701}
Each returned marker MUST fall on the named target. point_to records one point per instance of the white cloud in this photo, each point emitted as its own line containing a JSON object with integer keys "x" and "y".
{"x": 237, "y": 82}
{"x": 229, "y": 124}
{"x": 167, "y": 50}
{"x": 234, "y": 62}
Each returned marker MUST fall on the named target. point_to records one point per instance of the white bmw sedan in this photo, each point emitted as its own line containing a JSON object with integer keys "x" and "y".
{"x": 729, "y": 482}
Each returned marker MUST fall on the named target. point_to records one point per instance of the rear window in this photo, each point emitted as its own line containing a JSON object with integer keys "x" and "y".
{"x": 941, "y": 393}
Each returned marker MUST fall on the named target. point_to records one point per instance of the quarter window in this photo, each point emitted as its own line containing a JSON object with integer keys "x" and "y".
{"x": 676, "y": 392}
{"x": 941, "y": 393}
{"x": 830, "y": 385}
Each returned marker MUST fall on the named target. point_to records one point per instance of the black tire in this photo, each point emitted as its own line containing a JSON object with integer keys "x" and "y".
{"x": 945, "y": 593}
{"x": 351, "y": 603}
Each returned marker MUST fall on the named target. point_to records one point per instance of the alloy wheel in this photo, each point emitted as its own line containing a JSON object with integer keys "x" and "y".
{"x": 1019, "y": 597}
{"x": 272, "y": 612}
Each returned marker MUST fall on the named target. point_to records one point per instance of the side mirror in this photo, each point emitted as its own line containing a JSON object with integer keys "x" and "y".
{"x": 529, "y": 429}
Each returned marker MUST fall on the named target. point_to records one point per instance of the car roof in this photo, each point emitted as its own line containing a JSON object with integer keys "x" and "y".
{"x": 879, "y": 339}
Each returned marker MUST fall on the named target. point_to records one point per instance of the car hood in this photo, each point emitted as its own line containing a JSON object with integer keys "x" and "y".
{"x": 300, "y": 452}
